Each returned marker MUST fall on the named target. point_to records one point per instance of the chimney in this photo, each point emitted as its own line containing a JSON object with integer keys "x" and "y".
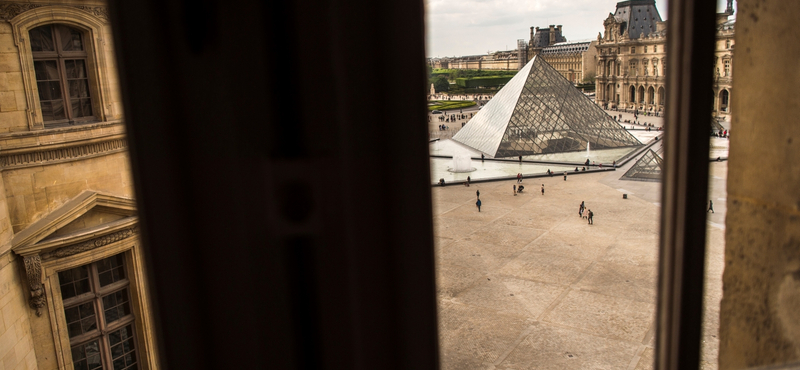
{"x": 552, "y": 34}
{"x": 532, "y": 33}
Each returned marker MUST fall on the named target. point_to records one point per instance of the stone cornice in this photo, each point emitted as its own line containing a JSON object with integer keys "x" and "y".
{"x": 93, "y": 243}
{"x": 11, "y": 10}
{"x": 59, "y": 154}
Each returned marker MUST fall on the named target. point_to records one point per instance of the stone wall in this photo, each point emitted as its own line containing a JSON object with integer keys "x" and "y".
{"x": 759, "y": 321}
{"x": 12, "y": 93}
{"x": 33, "y": 192}
{"x": 16, "y": 342}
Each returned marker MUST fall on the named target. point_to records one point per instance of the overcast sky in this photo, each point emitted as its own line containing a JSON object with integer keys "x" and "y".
{"x": 469, "y": 27}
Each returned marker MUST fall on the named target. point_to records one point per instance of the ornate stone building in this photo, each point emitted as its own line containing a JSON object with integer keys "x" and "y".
{"x": 631, "y": 59}
{"x": 72, "y": 285}
{"x": 574, "y": 60}
{"x": 499, "y": 60}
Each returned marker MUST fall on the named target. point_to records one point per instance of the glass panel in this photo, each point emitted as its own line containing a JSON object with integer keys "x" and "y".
{"x": 86, "y": 108}
{"x": 116, "y": 305}
{"x": 41, "y": 39}
{"x": 111, "y": 269}
{"x": 79, "y": 88}
{"x": 76, "y": 107}
{"x": 47, "y": 114}
{"x": 58, "y": 110}
{"x": 123, "y": 349}
{"x": 70, "y": 38}
{"x": 46, "y": 70}
{"x": 87, "y": 356}
{"x": 75, "y": 281}
{"x": 80, "y": 319}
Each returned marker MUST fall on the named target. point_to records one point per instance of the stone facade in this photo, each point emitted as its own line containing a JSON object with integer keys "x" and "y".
{"x": 575, "y": 60}
{"x": 631, "y": 60}
{"x": 66, "y": 193}
{"x": 500, "y": 60}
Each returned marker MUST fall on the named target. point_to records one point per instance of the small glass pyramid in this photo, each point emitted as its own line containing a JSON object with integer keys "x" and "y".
{"x": 647, "y": 168}
{"x": 539, "y": 111}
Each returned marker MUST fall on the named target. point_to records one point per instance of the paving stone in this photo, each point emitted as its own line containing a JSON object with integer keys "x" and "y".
{"x": 553, "y": 347}
{"x": 602, "y": 315}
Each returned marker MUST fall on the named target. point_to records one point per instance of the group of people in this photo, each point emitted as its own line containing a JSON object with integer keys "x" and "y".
{"x": 720, "y": 133}
{"x": 583, "y": 212}
{"x": 589, "y": 214}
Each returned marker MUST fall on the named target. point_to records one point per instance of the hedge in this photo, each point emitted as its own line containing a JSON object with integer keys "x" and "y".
{"x": 483, "y": 81}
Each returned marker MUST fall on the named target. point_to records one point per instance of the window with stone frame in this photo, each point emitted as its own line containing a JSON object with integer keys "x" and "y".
{"x": 633, "y": 50}
{"x": 60, "y": 65}
{"x": 645, "y": 48}
{"x": 726, "y": 66}
{"x": 633, "y": 68}
{"x": 100, "y": 320}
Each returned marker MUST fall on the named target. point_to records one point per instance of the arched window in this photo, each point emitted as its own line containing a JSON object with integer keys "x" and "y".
{"x": 641, "y": 94}
{"x": 661, "y": 96}
{"x": 59, "y": 61}
{"x": 651, "y": 95}
{"x": 632, "y": 94}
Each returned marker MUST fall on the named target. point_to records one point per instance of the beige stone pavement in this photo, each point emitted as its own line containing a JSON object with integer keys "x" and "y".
{"x": 527, "y": 284}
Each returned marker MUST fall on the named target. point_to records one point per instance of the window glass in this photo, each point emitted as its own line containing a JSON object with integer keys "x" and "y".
{"x": 70, "y": 39}
{"x": 111, "y": 270}
{"x": 123, "y": 353}
{"x": 74, "y": 282}
{"x": 42, "y": 39}
{"x": 80, "y": 319}
{"x": 58, "y": 76}
{"x": 116, "y": 306}
{"x": 87, "y": 356}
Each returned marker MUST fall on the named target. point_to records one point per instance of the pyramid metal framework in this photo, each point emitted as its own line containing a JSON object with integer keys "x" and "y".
{"x": 539, "y": 111}
{"x": 647, "y": 168}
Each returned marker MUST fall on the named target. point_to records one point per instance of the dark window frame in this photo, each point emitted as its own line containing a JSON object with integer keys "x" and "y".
{"x": 95, "y": 296}
{"x": 61, "y": 57}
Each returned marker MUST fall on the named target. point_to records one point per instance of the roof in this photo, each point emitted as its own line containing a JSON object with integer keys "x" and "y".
{"x": 639, "y": 17}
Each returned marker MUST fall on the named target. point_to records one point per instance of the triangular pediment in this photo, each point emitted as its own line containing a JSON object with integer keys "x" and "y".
{"x": 537, "y": 112}
{"x": 88, "y": 215}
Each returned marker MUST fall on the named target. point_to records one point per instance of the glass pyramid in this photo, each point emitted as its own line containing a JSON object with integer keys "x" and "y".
{"x": 647, "y": 168}
{"x": 540, "y": 111}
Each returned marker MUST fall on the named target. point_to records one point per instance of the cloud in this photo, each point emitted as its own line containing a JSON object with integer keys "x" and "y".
{"x": 468, "y": 27}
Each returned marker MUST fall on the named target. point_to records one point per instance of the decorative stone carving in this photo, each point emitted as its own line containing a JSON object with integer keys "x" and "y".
{"x": 97, "y": 11}
{"x": 62, "y": 154}
{"x": 8, "y": 11}
{"x": 11, "y": 10}
{"x": 92, "y": 244}
{"x": 33, "y": 270}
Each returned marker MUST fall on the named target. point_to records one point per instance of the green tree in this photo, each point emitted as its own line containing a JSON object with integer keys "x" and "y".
{"x": 440, "y": 84}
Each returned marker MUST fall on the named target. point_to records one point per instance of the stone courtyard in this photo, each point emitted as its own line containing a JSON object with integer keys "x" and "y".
{"x": 528, "y": 284}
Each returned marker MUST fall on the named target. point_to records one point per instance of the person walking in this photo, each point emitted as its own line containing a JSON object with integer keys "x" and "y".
{"x": 582, "y": 207}
{"x": 565, "y": 175}
{"x": 478, "y": 193}
{"x": 468, "y": 179}
{"x": 542, "y": 189}
{"x": 710, "y": 206}
{"x": 590, "y": 214}
{"x": 478, "y": 203}
{"x": 515, "y": 189}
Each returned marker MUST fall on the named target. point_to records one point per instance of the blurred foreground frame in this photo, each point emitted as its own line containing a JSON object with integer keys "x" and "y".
{"x": 286, "y": 227}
